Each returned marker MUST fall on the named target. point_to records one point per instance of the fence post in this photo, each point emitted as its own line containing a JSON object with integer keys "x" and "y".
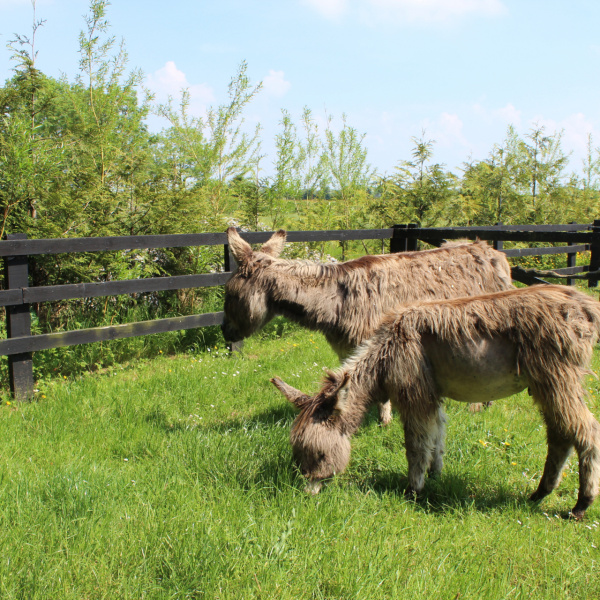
{"x": 231, "y": 265}
{"x": 595, "y": 256}
{"x": 571, "y": 259}
{"x": 399, "y": 242}
{"x": 18, "y": 323}
{"x": 498, "y": 244}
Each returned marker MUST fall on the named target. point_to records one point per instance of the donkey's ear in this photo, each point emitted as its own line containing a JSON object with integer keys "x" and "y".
{"x": 295, "y": 396}
{"x": 274, "y": 245}
{"x": 240, "y": 248}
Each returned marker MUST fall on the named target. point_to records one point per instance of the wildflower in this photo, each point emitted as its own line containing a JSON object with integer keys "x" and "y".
{"x": 514, "y": 464}
{"x": 160, "y": 351}
{"x": 484, "y": 444}
{"x": 64, "y": 376}
{"x": 8, "y": 403}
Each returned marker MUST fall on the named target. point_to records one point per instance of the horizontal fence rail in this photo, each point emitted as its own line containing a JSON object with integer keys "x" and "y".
{"x": 18, "y": 296}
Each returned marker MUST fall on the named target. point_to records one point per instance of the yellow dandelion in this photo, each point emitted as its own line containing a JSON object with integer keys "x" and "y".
{"x": 514, "y": 464}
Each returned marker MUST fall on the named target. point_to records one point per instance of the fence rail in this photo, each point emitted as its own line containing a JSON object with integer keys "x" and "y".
{"x": 17, "y": 251}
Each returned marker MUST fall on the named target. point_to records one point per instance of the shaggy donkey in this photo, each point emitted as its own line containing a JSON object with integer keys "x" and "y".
{"x": 489, "y": 347}
{"x": 346, "y": 301}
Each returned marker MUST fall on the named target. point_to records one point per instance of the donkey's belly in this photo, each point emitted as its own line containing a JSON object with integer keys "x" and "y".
{"x": 480, "y": 371}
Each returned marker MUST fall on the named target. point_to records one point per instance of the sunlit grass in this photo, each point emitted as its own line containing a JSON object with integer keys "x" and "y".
{"x": 172, "y": 478}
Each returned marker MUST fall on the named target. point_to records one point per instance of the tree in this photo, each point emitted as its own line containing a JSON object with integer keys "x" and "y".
{"x": 418, "y": 192}
{"x": 215, "y": 149}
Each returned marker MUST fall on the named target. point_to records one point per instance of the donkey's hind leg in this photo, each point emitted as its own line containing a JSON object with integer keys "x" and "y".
{"x": 569, "y": 424}
{"x": 588, "y": 449}
{"x": 559, "y": 450}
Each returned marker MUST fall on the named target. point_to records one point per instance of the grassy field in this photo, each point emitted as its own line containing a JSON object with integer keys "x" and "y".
{"x": 172, "y": 478}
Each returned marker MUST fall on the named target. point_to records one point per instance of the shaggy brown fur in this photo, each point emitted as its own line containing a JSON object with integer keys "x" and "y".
{"x": 539, "y": 338}
{"x": 347, "y": 301}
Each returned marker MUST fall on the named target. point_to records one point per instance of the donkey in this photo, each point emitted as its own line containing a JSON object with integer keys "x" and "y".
{"x": 346, "y": 301}
{"x": 486, "y": 347}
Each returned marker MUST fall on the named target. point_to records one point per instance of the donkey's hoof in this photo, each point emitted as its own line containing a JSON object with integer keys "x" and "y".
{"x": 575, "y": 515}
{"x": 385, "y": 413}
{"x": 537, "y": 496}
{"x": 411, "y": 494}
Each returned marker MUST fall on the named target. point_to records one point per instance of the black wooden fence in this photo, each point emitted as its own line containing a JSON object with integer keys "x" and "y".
{"x": 17, "y": 252}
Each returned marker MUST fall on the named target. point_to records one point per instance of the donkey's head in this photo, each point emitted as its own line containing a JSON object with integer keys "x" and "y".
{"x": 246, "y": 293}
{"x": 320, "y": 442}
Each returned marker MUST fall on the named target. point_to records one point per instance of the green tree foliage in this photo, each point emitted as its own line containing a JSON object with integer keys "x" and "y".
{"x": 419, "y": 192}
{"x": 206, "y": 154}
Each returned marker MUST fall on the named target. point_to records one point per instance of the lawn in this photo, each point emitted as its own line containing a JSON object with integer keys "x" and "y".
{"x": 172, "y": 478}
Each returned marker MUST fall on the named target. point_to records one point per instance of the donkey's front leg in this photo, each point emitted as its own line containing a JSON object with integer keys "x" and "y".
{"x": 421, "y": 437}
{"x": 437, "y": 461}
{"x": 385, "y": 412}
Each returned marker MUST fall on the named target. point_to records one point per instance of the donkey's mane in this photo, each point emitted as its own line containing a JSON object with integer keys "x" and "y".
{"x": 310, "y": 270}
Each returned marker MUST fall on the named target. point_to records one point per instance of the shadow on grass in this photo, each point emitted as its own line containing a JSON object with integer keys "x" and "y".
{"x": 449, "y": 492}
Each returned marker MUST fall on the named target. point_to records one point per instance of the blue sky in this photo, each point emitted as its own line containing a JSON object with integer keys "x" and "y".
{"x": 462, "y": 70}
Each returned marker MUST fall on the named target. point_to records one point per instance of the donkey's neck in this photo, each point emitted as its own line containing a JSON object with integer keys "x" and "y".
{"x": 307, "y": 294}
{"x": 365, "y": 389}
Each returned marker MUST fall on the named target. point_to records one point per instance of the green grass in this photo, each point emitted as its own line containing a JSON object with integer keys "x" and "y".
{"x": 172, "y": 478}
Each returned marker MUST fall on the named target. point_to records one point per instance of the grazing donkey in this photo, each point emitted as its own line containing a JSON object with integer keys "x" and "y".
{"x": 486, "y": 347}
{"x": 346, "y": 301}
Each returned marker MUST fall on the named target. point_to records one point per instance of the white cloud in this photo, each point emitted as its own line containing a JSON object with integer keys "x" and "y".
{"x": 275, "y": 84}
{"x": 170, "y": 81}
{"x": 330, "y": 9}
{"x": 504, "y": 116}
{"x": 373, "y": 11}
{"x": 435, "y": 10}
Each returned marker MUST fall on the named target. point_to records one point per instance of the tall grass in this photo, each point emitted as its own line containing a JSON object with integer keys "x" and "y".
{"x": 172, "y": 478}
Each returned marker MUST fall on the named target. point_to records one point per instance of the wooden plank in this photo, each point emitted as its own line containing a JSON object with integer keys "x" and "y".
{"x": 495, "y": 234}
{"x": 108, "y": 244}
{"x": 518, "y": 252}
{"x": 335, "y": 236}
{"x": 533, "y": 228}
{"x": 11, "y": 297}
{"x": 53, "y": 293}
{"x": 103, "y": 334}
{"x": 18, "y": 324}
